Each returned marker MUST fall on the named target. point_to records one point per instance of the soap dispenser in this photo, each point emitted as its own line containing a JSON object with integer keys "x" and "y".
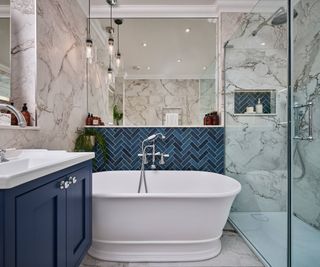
{"x": 26, "y": 114}
{"x": 259, "y": 107}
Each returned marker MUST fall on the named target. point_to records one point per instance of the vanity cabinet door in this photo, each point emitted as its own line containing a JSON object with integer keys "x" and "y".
{"x": 79, "y": 233}
{"x": 41, "y": 227}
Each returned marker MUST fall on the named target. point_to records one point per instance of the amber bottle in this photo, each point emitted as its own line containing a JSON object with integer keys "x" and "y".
{"x": 215, "y": 118}
{"x": 26, "y": 114}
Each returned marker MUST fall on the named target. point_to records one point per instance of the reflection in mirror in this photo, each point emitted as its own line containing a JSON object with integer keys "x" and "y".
{"x": 166, "y": 74}
{"x": 5, "y": 58}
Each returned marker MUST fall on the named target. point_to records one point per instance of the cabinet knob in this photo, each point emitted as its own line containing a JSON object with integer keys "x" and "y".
{"x": 64, "y": 185}
{"x": 73, "y": 180}
{"x": 61, "y": 185}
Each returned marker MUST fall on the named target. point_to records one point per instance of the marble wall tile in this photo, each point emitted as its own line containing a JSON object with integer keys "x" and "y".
{"x": 306, "y": 81}
{"x": 60, "y": 94}
{"x": 145, "y": 100}
{"x": 23, "y": 54}
{"x": 256, "y": 145}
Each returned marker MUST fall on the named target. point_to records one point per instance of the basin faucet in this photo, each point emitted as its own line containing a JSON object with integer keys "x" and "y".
{"x": 21, "y": 120}
{"x": 3, "y": 156}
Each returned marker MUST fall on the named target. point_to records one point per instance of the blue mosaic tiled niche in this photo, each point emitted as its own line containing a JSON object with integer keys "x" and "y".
{"x": 242, "y": 100}
{"x": 189, "y": 148}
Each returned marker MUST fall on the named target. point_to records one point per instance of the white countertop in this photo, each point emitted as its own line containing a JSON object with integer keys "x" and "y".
{"x": 29, "y": 164}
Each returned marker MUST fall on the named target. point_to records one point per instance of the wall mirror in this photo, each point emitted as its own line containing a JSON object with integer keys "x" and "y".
{"x": 5, "y": 52}
{"x": 165, "y": 74}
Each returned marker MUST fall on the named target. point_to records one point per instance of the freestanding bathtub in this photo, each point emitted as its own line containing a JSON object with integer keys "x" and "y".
{"x": 180, "y": 219}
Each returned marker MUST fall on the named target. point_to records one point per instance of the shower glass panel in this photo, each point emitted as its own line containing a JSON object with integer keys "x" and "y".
{"x": 305, "y": 113}
{"x": 256, "y": 66}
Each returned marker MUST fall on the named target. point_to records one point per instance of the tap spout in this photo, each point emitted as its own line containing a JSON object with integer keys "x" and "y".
{"x": 21, "y": 120}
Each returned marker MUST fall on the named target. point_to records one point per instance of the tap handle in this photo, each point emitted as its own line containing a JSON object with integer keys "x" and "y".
{"x": 161, "y": 162}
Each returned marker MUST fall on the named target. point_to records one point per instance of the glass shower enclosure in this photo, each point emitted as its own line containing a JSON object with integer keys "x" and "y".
{"x": 272, "y": 124}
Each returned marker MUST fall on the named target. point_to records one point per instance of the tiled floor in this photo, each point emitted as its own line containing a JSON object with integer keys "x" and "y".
{"x": 235, "y": 253}
{"x": 267, "y": 231}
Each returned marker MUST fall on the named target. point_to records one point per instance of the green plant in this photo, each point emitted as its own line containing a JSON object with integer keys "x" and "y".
{"x": 117, "y": 116}
{"x": 87, "y": 139}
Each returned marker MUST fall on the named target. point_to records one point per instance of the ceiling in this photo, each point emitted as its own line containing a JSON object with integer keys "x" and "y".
{"x": 166, "y": 42}
{"x": 4, "y": 2}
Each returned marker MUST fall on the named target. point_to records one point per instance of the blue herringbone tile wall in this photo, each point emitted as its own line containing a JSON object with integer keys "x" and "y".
{"x": 189, "y": 148}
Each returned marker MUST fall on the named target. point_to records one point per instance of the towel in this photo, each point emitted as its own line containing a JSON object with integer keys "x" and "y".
{"x": 172, "y": 119}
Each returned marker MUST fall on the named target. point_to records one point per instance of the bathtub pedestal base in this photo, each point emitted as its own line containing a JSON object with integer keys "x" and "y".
{"x": 155, "y": 251}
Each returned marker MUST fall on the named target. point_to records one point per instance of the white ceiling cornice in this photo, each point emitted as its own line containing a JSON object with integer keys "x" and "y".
{"x": 4, "y": 11}
{"x": 170, "y": 11}
{"x": 156, "y": 11}
{"x": 181, "y": 11}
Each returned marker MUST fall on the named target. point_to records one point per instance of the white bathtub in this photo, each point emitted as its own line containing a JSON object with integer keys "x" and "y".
{"x": 180, "y": 219}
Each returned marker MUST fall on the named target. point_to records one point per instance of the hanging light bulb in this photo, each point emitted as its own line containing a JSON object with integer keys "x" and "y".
{"x": 111, "y": 31}
{"x": 110, "y": 74}
{"x": 89, "y": 43}
{"x": 110, "y": 43}
{"x": 118, "y": 60}
{"x": 118, "y": 55}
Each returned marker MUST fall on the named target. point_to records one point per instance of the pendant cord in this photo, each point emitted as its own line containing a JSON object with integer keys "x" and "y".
{"x": 89, "y": 26}
{"x": 111, "y": 17}
{"x": 118, "y": 39}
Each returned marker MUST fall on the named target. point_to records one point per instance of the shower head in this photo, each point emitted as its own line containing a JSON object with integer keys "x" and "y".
{"x": 281, "y": 16}
{"x": 277, "y": 18}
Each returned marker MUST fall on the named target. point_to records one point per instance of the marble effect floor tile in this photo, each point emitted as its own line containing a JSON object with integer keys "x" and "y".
{"x": 235, "y": 253}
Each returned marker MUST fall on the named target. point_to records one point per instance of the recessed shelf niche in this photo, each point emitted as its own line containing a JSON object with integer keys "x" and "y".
{"x": 249, "y": 98}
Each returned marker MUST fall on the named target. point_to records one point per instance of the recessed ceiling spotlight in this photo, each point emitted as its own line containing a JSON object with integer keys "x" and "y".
{"x": 187, "y": 30}
{"x": 212, "y": 20}
{"x": 263, "y": 43}
{"x": 148, "y": 68}
{"x": 179, "y": 60}
{"x": 204, "y": 68}
{"x": 144, "y": 44}
{"x": 136, "y": 67}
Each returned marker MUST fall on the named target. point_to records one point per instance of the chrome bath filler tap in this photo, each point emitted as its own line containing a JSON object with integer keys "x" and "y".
{"x": 144, "y": 157}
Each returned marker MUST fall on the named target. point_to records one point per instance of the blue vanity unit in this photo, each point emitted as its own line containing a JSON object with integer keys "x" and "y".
{"x": 47, "y": 221}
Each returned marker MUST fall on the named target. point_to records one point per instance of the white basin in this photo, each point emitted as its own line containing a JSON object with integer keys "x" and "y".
{"x": 14, "y": 166}
{"x": 28, "y": 164}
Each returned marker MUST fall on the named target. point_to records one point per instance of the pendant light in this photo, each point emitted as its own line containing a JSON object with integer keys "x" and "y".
{"x": 118, "y": 54}
{"x": 112, "y": 3}
{"x": 89, "y": 43}
{"x": 110, "y": 74}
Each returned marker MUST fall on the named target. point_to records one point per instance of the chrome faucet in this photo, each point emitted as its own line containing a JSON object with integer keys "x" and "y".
{"x": 144, "y": 158}
{"x": 3, "y": 156}
{"x": 21, "y": 120}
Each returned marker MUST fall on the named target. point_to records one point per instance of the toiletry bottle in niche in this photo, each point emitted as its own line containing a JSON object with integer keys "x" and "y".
{"x": 205, "y": 119}
{"x": 259, "y": 107}
{"x": 215, "y": 118}
{"x": 26, "y": 114}
{"x": 88, "y": 119}
{"x": 95, "y": 121}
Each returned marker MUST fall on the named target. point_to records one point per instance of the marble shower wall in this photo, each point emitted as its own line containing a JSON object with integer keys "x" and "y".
{"x": 60, "y": 94}
{"x": 256, "y": 145}
{"x": 145, "y": 99}
{"x": 306, "y": 81}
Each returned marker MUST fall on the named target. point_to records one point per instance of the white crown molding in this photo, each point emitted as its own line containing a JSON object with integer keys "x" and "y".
{"x": 181, "y": 11}
{"x": 156, "y": 11}
{"x": 4, "y": 11}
